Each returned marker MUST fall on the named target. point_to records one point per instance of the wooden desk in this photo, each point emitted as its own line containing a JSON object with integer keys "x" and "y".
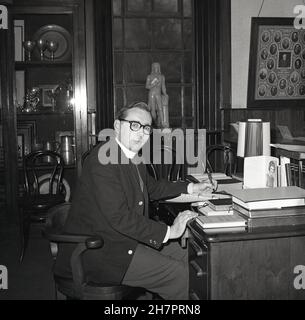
{"x": 257, "y": 264}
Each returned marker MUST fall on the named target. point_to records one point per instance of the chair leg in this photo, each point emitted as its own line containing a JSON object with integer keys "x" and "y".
{"x": 24, "y": 232}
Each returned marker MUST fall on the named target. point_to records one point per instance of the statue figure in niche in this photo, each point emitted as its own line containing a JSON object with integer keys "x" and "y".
{"x": 157, "y": 96}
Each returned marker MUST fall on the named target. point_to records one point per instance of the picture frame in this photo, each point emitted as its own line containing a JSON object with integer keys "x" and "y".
{"x": 276, "y": 64}
{"x": 26, "y": 128}
{"x": 19, "y": 38}
{"x": 20, "y": 88}
{"x": 20, "y": 144}
{"x": 47, "y": 95}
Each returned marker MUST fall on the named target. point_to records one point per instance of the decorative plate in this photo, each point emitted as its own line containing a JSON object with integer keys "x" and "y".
{"x": 44, "y": 186}
{"x": 58, "y": 34}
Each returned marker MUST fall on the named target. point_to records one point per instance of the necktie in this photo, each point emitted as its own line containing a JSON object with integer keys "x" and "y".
{"x": 140, "y": 179}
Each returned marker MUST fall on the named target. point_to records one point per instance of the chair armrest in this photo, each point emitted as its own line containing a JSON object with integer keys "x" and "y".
{"x": 91, "y": 242}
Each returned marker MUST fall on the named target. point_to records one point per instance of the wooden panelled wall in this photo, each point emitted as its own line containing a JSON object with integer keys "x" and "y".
{"x": 212, "y": 25}
{"x": 293, "y": 118}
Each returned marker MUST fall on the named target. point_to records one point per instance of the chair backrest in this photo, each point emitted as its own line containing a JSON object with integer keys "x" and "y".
{"x": 170, "y": 167}
{"x": 223, "y": 158}
{"x": 50, "y": 162}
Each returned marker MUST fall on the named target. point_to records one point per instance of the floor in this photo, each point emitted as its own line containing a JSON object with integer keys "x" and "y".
{"x": 31, "y": 279}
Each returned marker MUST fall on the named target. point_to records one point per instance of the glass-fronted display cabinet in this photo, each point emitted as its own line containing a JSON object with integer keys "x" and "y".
{"x": 47, "y": 107}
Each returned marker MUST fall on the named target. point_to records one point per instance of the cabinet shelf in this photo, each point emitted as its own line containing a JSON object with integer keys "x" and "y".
{"x": 42, "y": 113}
{"x": 20, "y": 65}
{"x": 44, "y": 166}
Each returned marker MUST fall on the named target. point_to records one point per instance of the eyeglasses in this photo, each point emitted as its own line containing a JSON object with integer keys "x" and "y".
{"x": 136, "y": 126}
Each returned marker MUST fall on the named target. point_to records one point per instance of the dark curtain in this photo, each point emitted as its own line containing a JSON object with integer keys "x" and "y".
{"x": 104, "y": 83}
{"x": 212, "y": 19}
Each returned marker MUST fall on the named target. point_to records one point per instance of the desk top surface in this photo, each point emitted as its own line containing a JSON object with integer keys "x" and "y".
{"x": 239, "y": 234}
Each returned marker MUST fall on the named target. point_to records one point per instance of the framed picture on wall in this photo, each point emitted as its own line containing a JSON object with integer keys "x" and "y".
{"x": 48, "y": 95}
{"x": 277, "y": 64}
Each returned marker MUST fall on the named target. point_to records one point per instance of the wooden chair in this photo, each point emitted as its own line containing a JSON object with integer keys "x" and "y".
{"x": 171, "y": 170}
{"x": 78, "y": 287}
{"x": 39, "y": 194}
{"x": 224, "y": 159}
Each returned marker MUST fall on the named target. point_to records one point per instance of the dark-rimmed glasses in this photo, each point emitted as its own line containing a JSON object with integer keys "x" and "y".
{"x": 136, "y": 126}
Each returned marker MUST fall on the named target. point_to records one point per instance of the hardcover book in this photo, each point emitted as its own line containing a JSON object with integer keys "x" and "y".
{"x": 276, "y": 221}
{"x": 269, "y": 198}
{"x": 285, "y": 211}
{"x": 227, "y": 221}
{"x": 220, "y": 204}
{"x": 207, "y": 211}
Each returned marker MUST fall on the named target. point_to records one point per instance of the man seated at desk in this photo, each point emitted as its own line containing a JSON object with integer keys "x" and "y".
{"x": 112, "y": 200}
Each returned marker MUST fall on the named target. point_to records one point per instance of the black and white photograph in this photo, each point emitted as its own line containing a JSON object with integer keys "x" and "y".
{"x": 125, "y": 126}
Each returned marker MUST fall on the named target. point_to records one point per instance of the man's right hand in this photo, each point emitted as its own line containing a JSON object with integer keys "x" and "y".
{"x": 179, "y": 225}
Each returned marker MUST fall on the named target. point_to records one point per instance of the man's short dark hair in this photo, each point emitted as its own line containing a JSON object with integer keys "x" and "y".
{"x": 122, "y": 113}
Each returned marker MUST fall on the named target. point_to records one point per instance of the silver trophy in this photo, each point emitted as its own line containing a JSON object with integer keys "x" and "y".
{"x": 52, "y": 46}
{"x": 28, "y": 47}
{"x": 42, "y": 46}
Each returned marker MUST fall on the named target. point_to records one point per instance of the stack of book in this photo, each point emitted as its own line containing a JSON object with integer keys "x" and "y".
{"x": 218, "y": 214}
{"x": 270, "y": 206}
{"x": 217, "y": 207}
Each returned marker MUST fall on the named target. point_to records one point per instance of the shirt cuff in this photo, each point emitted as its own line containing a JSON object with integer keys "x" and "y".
{"x": 167, "y": 234}
{"x": 190, "y": 188}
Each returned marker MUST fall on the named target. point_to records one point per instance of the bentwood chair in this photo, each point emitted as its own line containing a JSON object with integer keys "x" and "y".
{"x": 221, "y": 158}
{"x": 169, "y": 168}
{"x": 77, "y": 287}
{"x": 43, "y": 189}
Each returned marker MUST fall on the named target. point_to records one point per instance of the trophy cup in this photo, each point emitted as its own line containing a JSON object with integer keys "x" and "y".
{"x": 28, "y": 47}
{"x": 52, "y": 46}
{"x": 31, "y": 100}
{"x": 41, "y": 45}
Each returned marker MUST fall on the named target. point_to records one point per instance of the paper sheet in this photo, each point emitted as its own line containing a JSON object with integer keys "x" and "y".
{"x": 196, "y": 198}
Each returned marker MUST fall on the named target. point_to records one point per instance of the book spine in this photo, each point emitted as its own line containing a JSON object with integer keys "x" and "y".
{"x": 291, "y": 211}
{"x": 276, "y": 221}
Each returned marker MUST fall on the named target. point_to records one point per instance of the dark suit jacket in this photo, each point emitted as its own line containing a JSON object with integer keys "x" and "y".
{"x": 109, "y": 202}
